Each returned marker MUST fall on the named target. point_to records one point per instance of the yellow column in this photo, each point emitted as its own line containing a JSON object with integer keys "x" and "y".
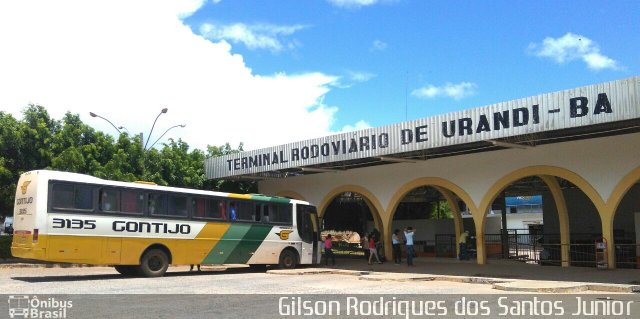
{"x": 563, "y": 217}
{"x": 607, "y": 234}
{"x": 479, "y": 219}
{"x": 388, "y": 224}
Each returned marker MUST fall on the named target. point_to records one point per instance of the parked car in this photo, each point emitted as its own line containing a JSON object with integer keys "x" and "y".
{"x": 7, "y": 227}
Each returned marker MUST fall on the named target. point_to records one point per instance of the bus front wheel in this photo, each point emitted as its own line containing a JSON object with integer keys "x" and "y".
{"x": 154, "y": 263}
{"x": 288, "y": 259}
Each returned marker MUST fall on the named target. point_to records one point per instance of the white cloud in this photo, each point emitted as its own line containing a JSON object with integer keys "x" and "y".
{"x": 572, "y": 47}
{"x": 260, "y": 36}
{"x": 352, "y": 3}
{"x": 126, "y": 60}
{"x": 360, "y": 76}
{"x": 351, "y": 78}
{"x": 378, "y": 45}
{"x": 455, "y": 91}
{"x": 360, "y": 125}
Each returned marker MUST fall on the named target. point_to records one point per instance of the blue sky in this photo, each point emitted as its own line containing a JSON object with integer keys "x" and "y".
{"x": 289, "y": 70}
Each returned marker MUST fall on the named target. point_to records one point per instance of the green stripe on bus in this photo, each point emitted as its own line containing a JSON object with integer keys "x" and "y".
{"x": 280, "y": 200}
{"x": 227, "y": 244}
{"x": 249, "y": 244}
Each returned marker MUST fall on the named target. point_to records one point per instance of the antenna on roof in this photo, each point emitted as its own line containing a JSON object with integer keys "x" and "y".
{"x": 406, "y": 92}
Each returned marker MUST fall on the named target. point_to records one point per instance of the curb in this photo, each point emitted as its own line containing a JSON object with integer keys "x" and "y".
{"x": 498, "y": 284}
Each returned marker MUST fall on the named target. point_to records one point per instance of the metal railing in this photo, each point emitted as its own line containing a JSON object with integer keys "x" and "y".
{"x": 445, "y": 245}
{"x": 546, "y": 249}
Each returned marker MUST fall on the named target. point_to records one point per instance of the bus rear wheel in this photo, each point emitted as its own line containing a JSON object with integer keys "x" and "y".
{"x": 154, "y": 263}
{"x": 288, "y": 259}
{"x": 127, "y": 270}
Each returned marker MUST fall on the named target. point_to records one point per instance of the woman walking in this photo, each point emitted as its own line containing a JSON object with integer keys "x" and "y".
{"x": 373, "y": 251}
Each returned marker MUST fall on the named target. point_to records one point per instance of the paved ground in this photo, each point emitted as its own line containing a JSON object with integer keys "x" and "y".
{"x": 105, "y": 280}
{"x": 243, "y": 293}
{"x": 501, "y": 269}
{"x": 513, "y": 275}
{"x": 502, "y": 274}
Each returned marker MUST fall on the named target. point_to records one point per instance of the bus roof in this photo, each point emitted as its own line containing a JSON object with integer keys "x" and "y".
{"x": 83, "y": 178}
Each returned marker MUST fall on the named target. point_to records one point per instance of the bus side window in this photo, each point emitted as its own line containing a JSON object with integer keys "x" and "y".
{"x": 242, "y": 210}
{"x": 198, "y": 207}
{"x": 215, "y": 208}
{"x": 265, "y": 213}
{"x": 84, "y": 197}
{"x": 257, "y": 214}
{"x": 281, "y": 214}
{"x": 177, "y": 205}
{"x": 109, "y": 200}
{"x": 69, "y": 196}
{"x": 223, "y": 209}
{"x": 157, "y": 204}
{"x": 233, "y": 213}
{"x": 62, "y": 196}
{"x": 132, "y": 202}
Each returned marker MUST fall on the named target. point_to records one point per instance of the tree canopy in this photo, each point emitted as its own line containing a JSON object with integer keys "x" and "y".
{"x": 39, "y": 142}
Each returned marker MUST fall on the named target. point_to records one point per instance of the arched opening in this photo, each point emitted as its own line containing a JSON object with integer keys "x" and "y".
{"x": 349, "y": 216}
{"x": 626, "y": 229}
{"x": 542, "y": 219}
{"x": 438, "y": 216}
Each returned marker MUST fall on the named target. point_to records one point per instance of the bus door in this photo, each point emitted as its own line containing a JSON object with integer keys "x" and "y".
{"x": 309, "y": 230}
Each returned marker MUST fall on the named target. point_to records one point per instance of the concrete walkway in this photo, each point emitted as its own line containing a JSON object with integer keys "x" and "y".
{"x": 505, "y": 275}
{"x": 502, "y": 274}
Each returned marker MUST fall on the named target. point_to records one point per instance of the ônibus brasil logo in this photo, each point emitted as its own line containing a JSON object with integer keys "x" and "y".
{"x": 23, "y": 306}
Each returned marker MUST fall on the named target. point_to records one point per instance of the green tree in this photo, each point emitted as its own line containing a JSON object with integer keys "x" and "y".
{"x": 37, "y": 130}
{"x": 231, "y": 186}
{"x": 77, "y": 147}
{"x": 441, "y": 210}
{"x": 10, "y": 152}
{"x": 40, "y": 142}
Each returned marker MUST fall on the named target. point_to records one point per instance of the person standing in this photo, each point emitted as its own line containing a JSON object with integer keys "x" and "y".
{"x": 408, "y": 235}
{"x": 395, "y": 240}
{"x": 463, "y": 246}
{"x": 364, "y": 243}
{"x": 373, "y": 250}
{"x": 328, "y": 252}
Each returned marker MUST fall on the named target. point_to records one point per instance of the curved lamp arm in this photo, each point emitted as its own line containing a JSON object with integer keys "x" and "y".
{"x": 164, "y": 110}
{"x": 96, "y": 115}
{"x": 165, "y": 132}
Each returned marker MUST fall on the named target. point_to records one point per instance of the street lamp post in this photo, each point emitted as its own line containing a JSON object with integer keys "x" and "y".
{"x": 165, "y": 132}
{"x": 164, "y": 110}
{"x": 96, "y": 115}
{"x": 143, "y": 143}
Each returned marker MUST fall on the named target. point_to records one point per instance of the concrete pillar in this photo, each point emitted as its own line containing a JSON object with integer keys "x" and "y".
{"x": 563, "y": 218}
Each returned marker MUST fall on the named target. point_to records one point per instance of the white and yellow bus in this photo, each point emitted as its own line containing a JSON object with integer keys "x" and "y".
{"x": 142, "y": 228}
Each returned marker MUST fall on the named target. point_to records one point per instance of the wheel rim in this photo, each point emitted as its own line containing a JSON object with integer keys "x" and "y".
{"x": 288, "y": 260}
{"x": 155, "y": 263}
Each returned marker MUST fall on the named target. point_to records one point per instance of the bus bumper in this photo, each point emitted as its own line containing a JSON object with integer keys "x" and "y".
{"x": 29, "y": 253}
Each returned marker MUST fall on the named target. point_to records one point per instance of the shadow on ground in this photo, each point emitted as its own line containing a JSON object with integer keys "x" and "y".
{"x": 507, "y": 269}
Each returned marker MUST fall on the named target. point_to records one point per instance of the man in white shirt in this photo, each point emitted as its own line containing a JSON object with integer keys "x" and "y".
{"x": 408, "y": 235}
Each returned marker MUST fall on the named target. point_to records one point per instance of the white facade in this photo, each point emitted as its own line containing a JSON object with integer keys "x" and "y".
{"x": 566, "y": 128}
{"x": 601, "y": 162}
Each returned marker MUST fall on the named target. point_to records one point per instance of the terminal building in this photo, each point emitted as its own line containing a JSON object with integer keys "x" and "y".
{"x": 551, "y": 179}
